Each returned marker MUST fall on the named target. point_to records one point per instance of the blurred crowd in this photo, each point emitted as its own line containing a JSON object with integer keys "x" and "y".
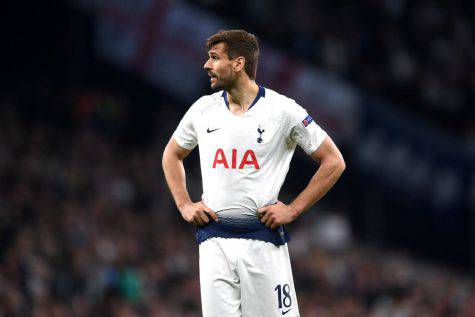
{"x": 88, "y": 229}
{"x": 419, "y": 54}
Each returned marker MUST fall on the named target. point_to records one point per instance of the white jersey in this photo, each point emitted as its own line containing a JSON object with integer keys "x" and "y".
{"x": 244, "y": 159}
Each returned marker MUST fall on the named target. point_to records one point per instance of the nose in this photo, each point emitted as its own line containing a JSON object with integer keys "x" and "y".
{"x": 207, "y": 65}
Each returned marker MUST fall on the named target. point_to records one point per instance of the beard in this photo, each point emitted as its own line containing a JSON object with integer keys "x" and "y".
{"x": 225, "y": 82}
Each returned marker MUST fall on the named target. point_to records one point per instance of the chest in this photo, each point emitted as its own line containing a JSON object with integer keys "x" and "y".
{"x": 258, "y": 132}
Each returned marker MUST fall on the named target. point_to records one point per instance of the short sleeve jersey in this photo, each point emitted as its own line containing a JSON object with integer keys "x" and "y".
{"x": 244, "y": 159}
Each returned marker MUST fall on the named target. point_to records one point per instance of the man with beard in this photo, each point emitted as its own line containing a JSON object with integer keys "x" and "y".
{"x": 247, "y": 135}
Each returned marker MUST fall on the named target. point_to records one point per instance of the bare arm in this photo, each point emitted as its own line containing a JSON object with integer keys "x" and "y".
{"x": 331, "y": 167}
{"x": 172, "y": 162}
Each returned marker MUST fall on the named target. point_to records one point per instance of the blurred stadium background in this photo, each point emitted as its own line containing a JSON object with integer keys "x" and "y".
{"x": 92, "y": 90}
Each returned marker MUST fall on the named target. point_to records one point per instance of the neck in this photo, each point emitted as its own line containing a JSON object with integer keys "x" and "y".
{"x": 243, "y": 93}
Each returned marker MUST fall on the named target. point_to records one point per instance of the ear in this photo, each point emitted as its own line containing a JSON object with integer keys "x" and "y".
{"x": 239, "y": 63}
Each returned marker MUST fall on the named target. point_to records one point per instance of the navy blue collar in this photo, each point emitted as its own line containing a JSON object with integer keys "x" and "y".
{"x": 260, "y": 93}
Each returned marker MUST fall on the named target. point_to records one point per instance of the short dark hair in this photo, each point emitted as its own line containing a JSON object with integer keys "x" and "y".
{"x": 238, "y": 43}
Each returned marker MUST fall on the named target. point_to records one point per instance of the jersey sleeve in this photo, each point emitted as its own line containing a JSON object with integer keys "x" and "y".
{"x": 186, "y": 133}
{"x": 304, "y": 131}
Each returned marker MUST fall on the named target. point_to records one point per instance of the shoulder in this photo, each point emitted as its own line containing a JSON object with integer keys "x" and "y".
{"x": 206, "y": 102}
{"x": 282, "y": 104}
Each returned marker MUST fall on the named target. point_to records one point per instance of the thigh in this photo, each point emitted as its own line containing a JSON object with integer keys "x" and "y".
{"x": 267, "y": 286}
{"x": 219, "y": 283}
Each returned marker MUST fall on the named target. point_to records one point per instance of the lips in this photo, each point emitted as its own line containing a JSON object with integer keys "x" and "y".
{"x": 213, "y": 77}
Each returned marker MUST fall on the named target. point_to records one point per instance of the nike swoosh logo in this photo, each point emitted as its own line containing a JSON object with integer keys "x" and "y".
{"x": 209, "y": 131}
{"x": 285, "y": 312}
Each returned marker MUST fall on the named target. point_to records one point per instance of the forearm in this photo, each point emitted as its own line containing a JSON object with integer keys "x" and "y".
{"x": 325, "y": 177}
{"x": 176, "y": 178}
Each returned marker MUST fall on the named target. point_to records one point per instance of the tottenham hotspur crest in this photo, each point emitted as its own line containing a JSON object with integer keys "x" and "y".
{"x": 259, "y": 139}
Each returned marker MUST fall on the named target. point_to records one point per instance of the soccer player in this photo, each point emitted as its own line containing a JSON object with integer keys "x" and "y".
{"x": 247, "y": 135}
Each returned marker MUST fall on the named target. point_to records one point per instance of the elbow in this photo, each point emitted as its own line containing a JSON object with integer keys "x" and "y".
{"x": 342, "y": 165}
{"x": 339, "y": 165}
{"x": 336, "y": 164}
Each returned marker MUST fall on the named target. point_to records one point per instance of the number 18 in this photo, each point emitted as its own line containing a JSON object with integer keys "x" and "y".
{"x": 286, "y": 300}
